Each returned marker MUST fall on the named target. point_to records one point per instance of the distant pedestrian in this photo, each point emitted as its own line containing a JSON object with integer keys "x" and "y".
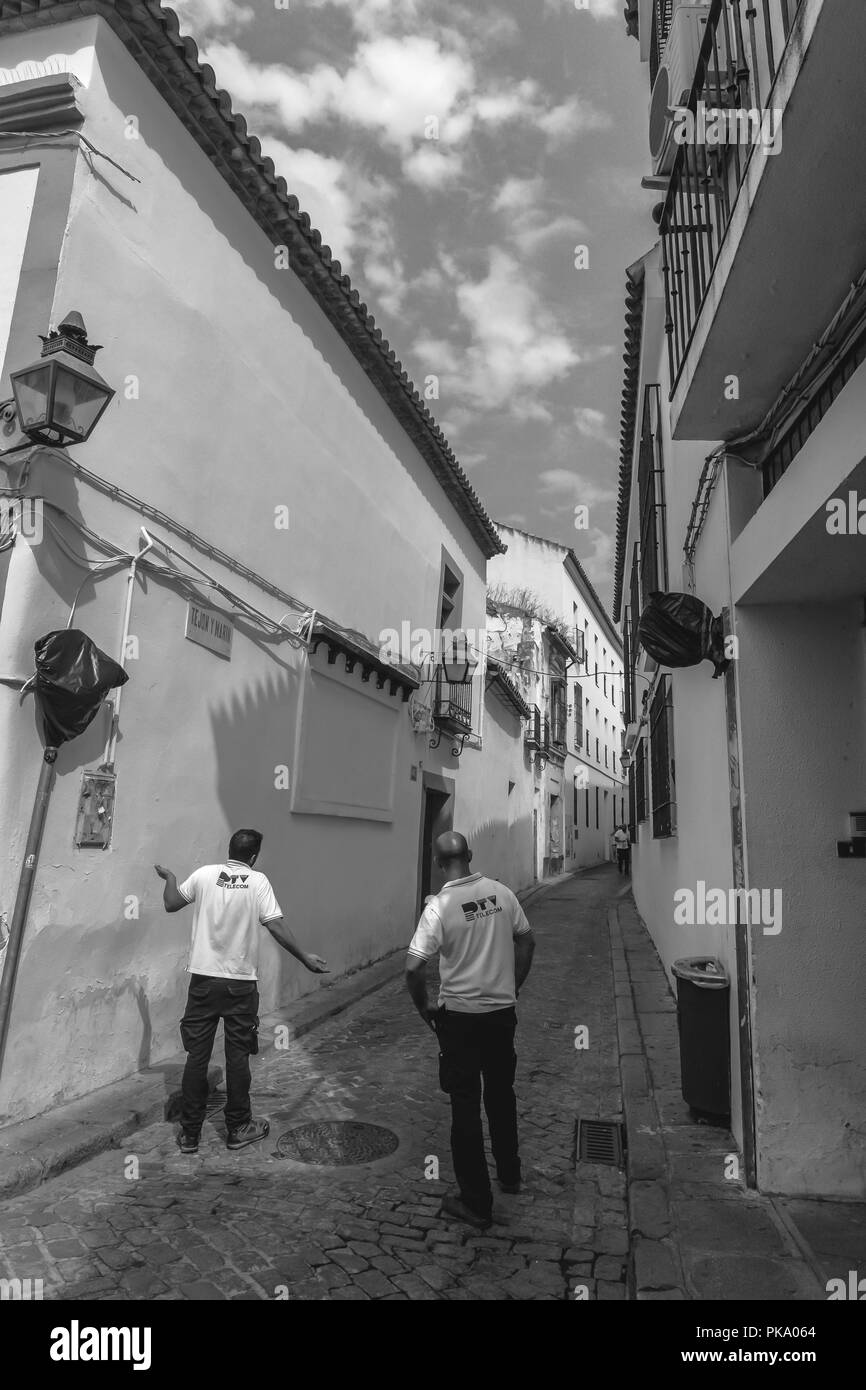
{"x": 231, "y": 900}
{"x": 485, "y": 947}
{"x": 622, "y": 845}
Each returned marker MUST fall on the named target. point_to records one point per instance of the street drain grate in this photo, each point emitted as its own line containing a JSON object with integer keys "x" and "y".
{"x": 337, "y": 1143}
{"x": 599, "y": 1141}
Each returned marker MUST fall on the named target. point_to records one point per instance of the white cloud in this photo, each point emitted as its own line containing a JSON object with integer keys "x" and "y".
{"x": 517, "y": 347}
{"x": 319, "y": 182}
{"x": 571, "y": 118}
{"x": 392, "y": 87}
{"x": 593, "y": 424}
{"x": 606, "y": 9}
{"x": 528, "y": 223}
{"x": 574, "y": 487}
{"x": 599, "y": 9}
{"x": 211, "y": 14}
{"x": 432, "y": 168}
{"x": 599, "y": 563}
{"x": 429, "y": 281}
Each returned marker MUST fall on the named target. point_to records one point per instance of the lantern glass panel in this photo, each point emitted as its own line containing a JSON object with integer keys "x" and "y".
{"x": 77, "y": 403}
{"x": 32, "y": 389}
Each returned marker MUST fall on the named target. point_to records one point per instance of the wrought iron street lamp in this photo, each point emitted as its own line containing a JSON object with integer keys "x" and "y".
{"x": 458, "y": 663}
{"x": 61, "y": 397}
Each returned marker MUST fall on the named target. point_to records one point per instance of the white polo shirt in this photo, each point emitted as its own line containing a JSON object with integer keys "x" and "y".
{"x": 231, "y": 899}
{"x": 472, "y": 923}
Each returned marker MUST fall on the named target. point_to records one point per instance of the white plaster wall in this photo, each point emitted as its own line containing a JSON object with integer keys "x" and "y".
{"x": 802, "y": 693}
{"x": 247, "y": 399}
{"x": 701, "y": 848}
{"x": 17, "y": 195}
{"x": 538, "y": 565}
{"x": 498, "y": 824}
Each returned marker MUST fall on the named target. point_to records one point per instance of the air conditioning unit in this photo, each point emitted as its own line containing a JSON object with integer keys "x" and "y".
{"x": 674, "y": 81}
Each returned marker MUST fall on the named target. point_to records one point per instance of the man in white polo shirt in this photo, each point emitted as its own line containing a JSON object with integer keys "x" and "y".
{"x": 231, "y": 901}
{"x": 485, "y": 947}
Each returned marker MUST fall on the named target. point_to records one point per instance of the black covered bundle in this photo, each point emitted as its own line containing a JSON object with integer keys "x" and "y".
{"x": 73, "y": 678}
{"x": 679, "y": 630}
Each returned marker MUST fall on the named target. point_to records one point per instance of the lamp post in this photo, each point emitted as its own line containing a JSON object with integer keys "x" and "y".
{"x": 59, "y": 400}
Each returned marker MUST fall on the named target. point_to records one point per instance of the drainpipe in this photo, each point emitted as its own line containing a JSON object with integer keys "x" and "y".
{"x": 111, "y": 744}
{"x": 25, "y": 890}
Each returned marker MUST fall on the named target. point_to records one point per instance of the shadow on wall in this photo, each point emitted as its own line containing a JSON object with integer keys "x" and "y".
{"x": 503, "y": 850}
{"x": 253, "y": 739}
{"x": 340, "y": 886}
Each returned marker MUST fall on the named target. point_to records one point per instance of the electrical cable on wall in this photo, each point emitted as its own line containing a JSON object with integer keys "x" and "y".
{"x": 64, "y": 134}
{"x": 154, "y": 514}
{"x": 187, "y": 581}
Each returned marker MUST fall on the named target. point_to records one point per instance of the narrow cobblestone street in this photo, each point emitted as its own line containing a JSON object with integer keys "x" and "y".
{"x": 143, "y": 1222}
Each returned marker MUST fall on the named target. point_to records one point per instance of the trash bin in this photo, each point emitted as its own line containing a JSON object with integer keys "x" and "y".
{"x": 703, "y": 1003}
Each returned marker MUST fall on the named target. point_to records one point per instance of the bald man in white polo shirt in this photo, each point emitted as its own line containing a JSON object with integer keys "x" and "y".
{"x": 485, "y": 947}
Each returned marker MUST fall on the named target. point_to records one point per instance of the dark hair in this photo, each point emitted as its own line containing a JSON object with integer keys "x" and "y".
{"x": 244, "y": 844}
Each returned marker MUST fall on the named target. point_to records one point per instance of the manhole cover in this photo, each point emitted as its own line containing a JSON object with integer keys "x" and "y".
{"x": 337, "y": 1143}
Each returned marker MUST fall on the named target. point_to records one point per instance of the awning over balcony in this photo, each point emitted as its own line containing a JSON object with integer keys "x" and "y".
{"x": 499, "y": 681}
{"x": 358, "y": 650}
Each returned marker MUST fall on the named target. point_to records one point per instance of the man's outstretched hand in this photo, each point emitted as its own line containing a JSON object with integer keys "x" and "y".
{"x": 316, "y": 965}
{"x": 163, "y": 873}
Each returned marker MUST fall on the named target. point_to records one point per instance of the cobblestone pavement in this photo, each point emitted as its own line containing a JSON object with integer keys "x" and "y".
{"x": 144, "y": 1222}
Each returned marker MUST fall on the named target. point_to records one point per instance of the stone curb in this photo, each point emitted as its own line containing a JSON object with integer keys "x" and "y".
{"x": 654, "y": 1269}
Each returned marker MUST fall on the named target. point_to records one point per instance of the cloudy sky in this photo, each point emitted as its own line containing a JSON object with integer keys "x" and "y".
{"x": 454, "y": 155}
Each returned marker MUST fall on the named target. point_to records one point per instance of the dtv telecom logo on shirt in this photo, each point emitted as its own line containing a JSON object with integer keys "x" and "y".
{"x": 232, "y": 880}
{"x": 473, "y": 912}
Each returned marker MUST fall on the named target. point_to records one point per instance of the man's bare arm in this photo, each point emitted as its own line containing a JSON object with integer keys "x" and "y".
{"x": 524, "y": 950}
{"x": 416, "y": 983}
{"x": 283, "y": 937}
{"x": 172, "y": 899}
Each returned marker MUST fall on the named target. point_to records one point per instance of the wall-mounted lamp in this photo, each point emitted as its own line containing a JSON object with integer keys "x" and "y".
{"x": 60, "y": 398}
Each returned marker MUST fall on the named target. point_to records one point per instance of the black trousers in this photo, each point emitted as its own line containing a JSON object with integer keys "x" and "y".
{"x": 476, "y": 1049}
{"x": 622, "y": 856}
{"x": 236, "y": 1002}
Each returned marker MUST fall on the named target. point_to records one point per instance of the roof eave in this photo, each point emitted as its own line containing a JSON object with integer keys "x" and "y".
{"x": 170, "y": 60}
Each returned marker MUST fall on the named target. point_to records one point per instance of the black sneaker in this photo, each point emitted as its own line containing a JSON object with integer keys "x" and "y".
{"x": 247, "y": 1134}
{"x": 187, "y": 1141}
{"x": 511, "y": 1187}
{"x": 455, "y": 1206}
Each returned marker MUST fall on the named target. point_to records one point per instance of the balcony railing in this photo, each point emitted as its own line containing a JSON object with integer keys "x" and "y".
{"x": 740, "y": 55}
{"x": 533, "y": 732}
{"x": 452, "y": 706}
{"x": 661, "y": 27}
